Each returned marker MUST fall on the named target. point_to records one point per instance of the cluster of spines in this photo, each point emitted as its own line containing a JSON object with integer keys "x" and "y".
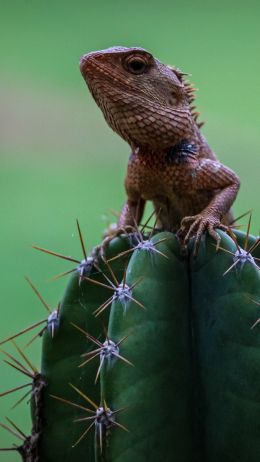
{"x": 242, "y": 255}
{"x": 29, "y": 447}
{"x": 190, "y": 94}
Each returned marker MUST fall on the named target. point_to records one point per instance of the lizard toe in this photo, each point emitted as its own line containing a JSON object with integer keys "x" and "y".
{"x": 195, "y": 223}
{"x": 213, "y": 233}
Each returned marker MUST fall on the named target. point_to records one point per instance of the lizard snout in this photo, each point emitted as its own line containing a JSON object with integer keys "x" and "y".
{"x": 90, "y": 66}
{"x": 83, "y": 63}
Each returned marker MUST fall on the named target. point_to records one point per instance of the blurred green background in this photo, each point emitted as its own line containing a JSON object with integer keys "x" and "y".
{"x": 59, "y": 160}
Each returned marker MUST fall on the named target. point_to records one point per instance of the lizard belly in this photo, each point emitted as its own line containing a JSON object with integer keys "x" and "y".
{"x": 153, "y": 178}
{"x": 174, "y": 208}
{"x": 169, "y": 187}
{"x": 147, "y": 179}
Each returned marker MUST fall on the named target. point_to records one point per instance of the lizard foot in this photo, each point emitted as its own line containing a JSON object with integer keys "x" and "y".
{"x": 196, "y": 225}
{"x": 100, "y": 250}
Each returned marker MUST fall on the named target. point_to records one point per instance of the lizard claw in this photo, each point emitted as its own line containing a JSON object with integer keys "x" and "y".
{"x": 197, "y": 225}
{"x": 100, "y": 250}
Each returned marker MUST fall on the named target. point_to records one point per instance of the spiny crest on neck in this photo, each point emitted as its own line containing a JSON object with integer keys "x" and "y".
{"x": 190, "y": 92}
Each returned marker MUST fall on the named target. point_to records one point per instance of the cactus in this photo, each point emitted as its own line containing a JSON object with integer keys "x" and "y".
{"x": 151, "y": 354}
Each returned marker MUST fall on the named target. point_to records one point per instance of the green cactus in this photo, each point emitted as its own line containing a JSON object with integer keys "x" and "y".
{"x": 227, "y": 351}
{"x": 152, "y": 355}
{"x": 61, "y": 359}
{"x": 157, "y": 391}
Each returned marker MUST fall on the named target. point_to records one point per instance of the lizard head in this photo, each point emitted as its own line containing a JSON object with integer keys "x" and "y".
{"x": 143, "y": 100}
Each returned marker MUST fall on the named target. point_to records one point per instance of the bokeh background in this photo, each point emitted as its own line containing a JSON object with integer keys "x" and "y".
{"x": 59, "y": 160}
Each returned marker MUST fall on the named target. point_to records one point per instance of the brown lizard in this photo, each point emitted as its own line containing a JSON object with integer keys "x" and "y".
{"x": 149, "y": 104}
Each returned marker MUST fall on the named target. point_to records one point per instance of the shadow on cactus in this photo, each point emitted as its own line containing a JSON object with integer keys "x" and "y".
{"x": 151, "y": 341}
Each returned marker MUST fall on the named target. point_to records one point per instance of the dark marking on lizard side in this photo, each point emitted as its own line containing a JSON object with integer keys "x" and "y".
{"x": 180, "y": 152}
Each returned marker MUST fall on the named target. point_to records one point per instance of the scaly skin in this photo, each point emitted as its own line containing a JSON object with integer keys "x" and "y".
{"x": 149, "y": 105}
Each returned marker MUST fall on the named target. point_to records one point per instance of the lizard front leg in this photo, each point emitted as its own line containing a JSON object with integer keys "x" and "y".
{"x": 131, "y": 213}
{"x": 130, "y": 216}
{"x": 210, "y": 175}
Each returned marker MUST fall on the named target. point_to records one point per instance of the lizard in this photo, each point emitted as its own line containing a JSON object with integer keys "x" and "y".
{"x": 150, "y": 105}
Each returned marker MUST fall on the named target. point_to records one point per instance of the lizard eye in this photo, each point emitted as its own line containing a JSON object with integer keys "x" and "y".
{"x": 136, "y": 65}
